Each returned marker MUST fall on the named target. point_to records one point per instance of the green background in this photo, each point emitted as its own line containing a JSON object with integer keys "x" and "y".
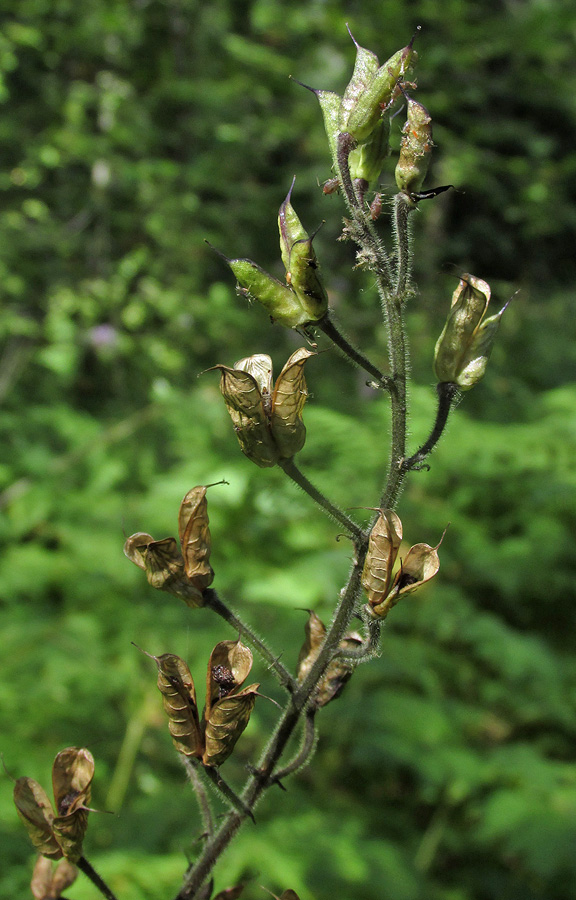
{"x": 130, "y": 133}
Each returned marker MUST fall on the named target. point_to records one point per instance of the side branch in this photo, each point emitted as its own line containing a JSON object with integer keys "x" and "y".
{"x": 447, "y": 394}
{"x": 293, "y": 472}
{"x": 331, "y": 330}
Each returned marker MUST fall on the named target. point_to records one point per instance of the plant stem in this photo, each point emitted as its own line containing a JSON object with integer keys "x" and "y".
{"x": 447, "y": 393}
{"x": 94, "y": 877}
{"x": 331, "y": 330}
{"x": 200, "y": 793}
{"x": 261, "y": 778}
{"x": 214, "y": 602}
{"x": 306, "y": 750}
{"x": 293, "y": 472}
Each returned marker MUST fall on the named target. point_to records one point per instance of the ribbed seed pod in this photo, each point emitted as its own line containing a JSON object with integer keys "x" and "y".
{"x": 290, "y": 395}
{"x": 279, "y": 299}
{"x": 379, "y": 93}
{"x": 227, "y": 709}
{"x": 464, "y": 347}
{"x": 383, "y": 546}
{"x": 194, "y": 533}
{"x": 338, "y": 672}
{"x": 164, "y": 566}
{"x": 179, "y": 699}
{"x": 36, "y": 812}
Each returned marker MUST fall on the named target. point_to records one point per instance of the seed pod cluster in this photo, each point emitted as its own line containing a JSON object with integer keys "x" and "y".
{"x": 185, "y": 572}
{"x": 384, "y": 589}
{"x": 267, "y": 420}
{"x": 464, "y": 347}
{"x": 58, "y": 831}
{"x": 338, "y": 672}
{"x": 211, "y": 737}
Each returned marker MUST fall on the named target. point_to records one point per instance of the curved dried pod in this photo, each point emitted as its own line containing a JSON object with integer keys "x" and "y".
{"x": 246, "y": 389}
{"x": 383, "y": 546}
{"x": 315, "y": 632}
{"x": 421, "y": 564}
{"x": 48, "y": 883}
{"x": 164, "y": 566}
{"x": 72, "y": 775}
{"x": 228, "y": 719}
{"x": 338, "y": 673}
{"x": 290, "y": 395}
{"x": 176, "y": 685}
{"x": 231, "y": 893}
{"x": 36, "y": 812}
{"x": 194, "y": 533}
{"x": 228, "y": 667}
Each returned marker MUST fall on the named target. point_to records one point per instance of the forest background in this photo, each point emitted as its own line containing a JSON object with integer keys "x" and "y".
{"x": 130, "y": 132}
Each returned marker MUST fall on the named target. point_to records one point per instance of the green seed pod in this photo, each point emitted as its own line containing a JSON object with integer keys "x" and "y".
{"x": 366, "y": 161}
{"x": 300, "y": 262}
{"x": 415, "y": 149}
{"x": 464, "y": 347}
{"x": 365, "y": 68}
{"x": 280, "y": 300}
{"x": 378, "y": 95}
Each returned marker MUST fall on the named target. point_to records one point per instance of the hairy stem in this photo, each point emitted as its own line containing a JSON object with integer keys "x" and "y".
{"x": 261, "y": 778}
{"x": 293, "y": 472}
{"x": 94, "y": 877}
{"x": 201, "y": 795}
{"x": 306, "y": 750}
{"x": 331, "y": 330}
{"x": 447, "y": 394}
{"x": 214, "y": 602}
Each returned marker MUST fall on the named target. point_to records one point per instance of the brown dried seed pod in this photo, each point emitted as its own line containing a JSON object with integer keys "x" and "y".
{"x": 338, "y": 673}
{"x": 194, "y": 536}
{"x": 48, "y": 882}
{"x": 247, "y": 393}
{"x": 421, "y": 564}
{"x": 228, "y": 668}
{"x": 72, "y": 775}
{"x": 231, "y": 893}
{"x": 164, "y": 566}
{"x": 315, "y": 632}
{"x": 290, "y": 394}
{"x": 228, "y": 719}
{"x": 383, "y": 546}
{"x": 36, "y": 812}
{"x": 179, "y": 699}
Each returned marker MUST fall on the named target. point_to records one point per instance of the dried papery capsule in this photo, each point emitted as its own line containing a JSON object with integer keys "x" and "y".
{"x": 464, "y": 347}
{"x": 176, "y": 685}
{"x": 378, "y": 95}
{"x": 421, "y": 564}
{"x": 36, "y": 812}
{"x": 228, "y": 667}
{"x": 194, "y": 533}
{"x": 383, "y": 546}
{"x": 49, "y": 881}
{"x": 164, "y": 566}
{"x": 315, "y": 632}
{"x": 228, "y": 719}
{"x": 227, "y": 709}
{"x": 72, "y": 775}
{"x": 245, "y": 397}
{"x": 288, "y": 399}
{"x": 300, "y": 262}
{"x": 415, "y": 149}
{"x": 268, "y": 425}
{"x": 338, "y": 672}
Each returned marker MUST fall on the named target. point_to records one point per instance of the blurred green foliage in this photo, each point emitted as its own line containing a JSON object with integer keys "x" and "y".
{"x": 129, "y": 134}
